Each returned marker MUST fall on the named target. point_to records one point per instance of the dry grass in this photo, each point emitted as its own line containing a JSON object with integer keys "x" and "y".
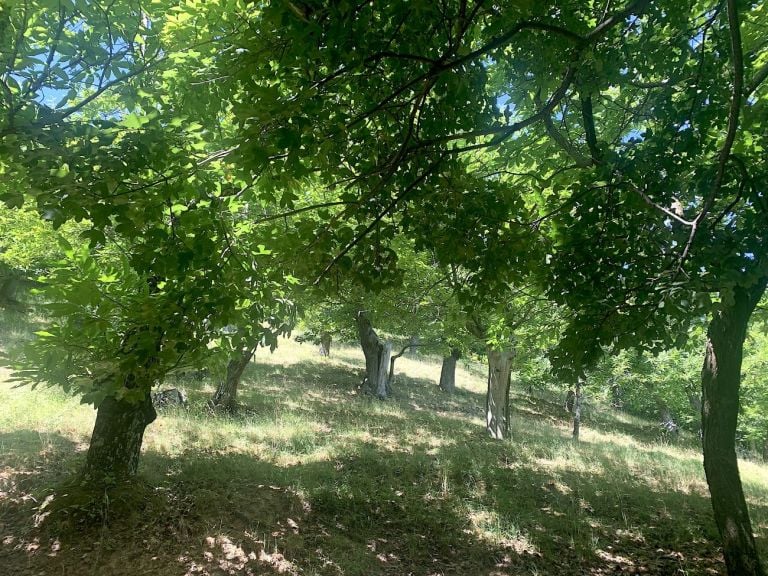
{"x": 313, "y": 478}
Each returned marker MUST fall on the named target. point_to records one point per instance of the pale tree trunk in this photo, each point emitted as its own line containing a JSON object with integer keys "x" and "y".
{"x": 377, "y": 355}
{"x": 577, "y": 409}
{"x": 497, "y": 397}
{"x": 113, "y": 454}
{"x": 225, "y": 397}
{"x": 448, "y": 372}
{"x": 720, "y": 382}
{"x": 413, "y": 343}
{"x": 325, "y": 344}
{"x": 695, "y": 402}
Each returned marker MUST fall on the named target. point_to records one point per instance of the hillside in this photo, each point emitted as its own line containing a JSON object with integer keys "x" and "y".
{"x": 312, "y": 478}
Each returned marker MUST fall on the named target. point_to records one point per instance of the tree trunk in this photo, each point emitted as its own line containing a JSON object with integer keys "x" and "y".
{"x": 113, "y": 454}
{"x": 377, "y": 355}
{"x": 497, "y": 397}
{"x": 414, "y": 342}
{"x": 325, "y": 344}
{"x": 720, "y": 381}
{"x": 577, "y": 410}
{"x": 448, "y": 372}
{"x": 225, "y": 397}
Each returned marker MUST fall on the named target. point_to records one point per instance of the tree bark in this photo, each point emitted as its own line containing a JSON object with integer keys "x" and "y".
{"x": 113, "y": 454}
{"x": 377, "y": 355}
{"x": 325, "y": 344}
{"x": 720, "y": 382}
{"x": 448, "y": 372}
{"x": 115, "y": 446}
{"x": 225, "y": 397}
{"x": 413, "y": 343}
{"x": 577, "y": 410}
{"x": 497, "y": 397}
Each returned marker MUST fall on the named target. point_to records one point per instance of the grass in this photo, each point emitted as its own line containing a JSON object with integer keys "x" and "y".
{"x": 313, "y": 478}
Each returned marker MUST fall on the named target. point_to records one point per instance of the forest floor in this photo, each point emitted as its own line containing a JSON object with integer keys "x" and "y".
{"x": 312, "y": 477}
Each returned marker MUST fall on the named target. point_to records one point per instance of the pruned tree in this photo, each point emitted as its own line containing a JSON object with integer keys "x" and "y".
{"x": 448, "y": 371}
{"x": 377, "y": 355}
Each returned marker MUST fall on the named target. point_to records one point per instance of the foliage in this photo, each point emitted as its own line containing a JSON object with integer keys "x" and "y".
{"x": 171, "y": 258}
{"x": 28, "y": 243}
{"x": 753, "y": 418}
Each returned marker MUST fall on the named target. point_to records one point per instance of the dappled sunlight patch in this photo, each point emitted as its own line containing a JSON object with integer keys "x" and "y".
{"x": 47, "y": 411}
{"x": 564, "y": 461}
{"x": 487, "y": 525}
{"x": 223, "y": 555}
{"x": 559, "y": 487}
{"x": 755, "y": 480}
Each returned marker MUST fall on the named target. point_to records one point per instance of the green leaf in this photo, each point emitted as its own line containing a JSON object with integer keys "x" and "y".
{"x": 61, "y": 172}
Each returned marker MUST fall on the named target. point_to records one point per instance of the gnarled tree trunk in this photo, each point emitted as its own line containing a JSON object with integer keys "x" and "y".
{"x": 448, "y": 371}
{"x": 113, "y": 454}
{"x": 115, "y": 447}
{"x": 325, "y": 344}
{"x": 377, "y": 354}
{"x": 720, "y": 382}
{"x": 225, "y": 397}
{"x": 497, "y": 397}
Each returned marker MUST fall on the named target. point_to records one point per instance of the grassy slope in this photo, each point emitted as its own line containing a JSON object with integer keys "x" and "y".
{"x": 314, "y": 479}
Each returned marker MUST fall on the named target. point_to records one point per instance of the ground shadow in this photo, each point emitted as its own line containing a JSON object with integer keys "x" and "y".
{"x": 424, "y": 492}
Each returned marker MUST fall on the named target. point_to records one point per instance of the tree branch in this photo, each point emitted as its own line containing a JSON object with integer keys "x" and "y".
{"x": 589, "y": 127}
{"x": 737, "y": 58}
{"x": 757, "y": 79}
{"x": 581, "y": 160}
{"x": 395, "y": 201}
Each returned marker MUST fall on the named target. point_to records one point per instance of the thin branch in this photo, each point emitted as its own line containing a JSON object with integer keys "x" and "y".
{"x": 35, "y": 86}
{"x": 589, "y": 127}
{"x": 395, "y": 201}
{"x": 757, "y": 79}
{"x": 301, "y": 210}
{"x": 659, "y": 207}
{"x": 102, "y": 88}
{"x": 439, "y": 67}
{"x": 737, "y": 58}
{"x": 581, "y": 160}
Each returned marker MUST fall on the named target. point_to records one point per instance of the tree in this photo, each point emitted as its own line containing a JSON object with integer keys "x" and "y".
{"x": 159, "y": 279}
{"x": 448, "y": 371}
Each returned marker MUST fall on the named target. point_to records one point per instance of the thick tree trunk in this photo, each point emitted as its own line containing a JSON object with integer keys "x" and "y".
{"x": 720, "y": 381}
{"x": 377, "y": 355}
{"x": 113, "y": 454}
{"x": 325, "y": 344}
{"x": 497, "y": 397}
{"x": 448, "y": 371}
{"x": 577, "y": 410}
{"x": 225, "y": 397}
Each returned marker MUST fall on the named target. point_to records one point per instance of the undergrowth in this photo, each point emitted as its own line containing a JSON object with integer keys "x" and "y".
{"x": 310, "y": 477}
